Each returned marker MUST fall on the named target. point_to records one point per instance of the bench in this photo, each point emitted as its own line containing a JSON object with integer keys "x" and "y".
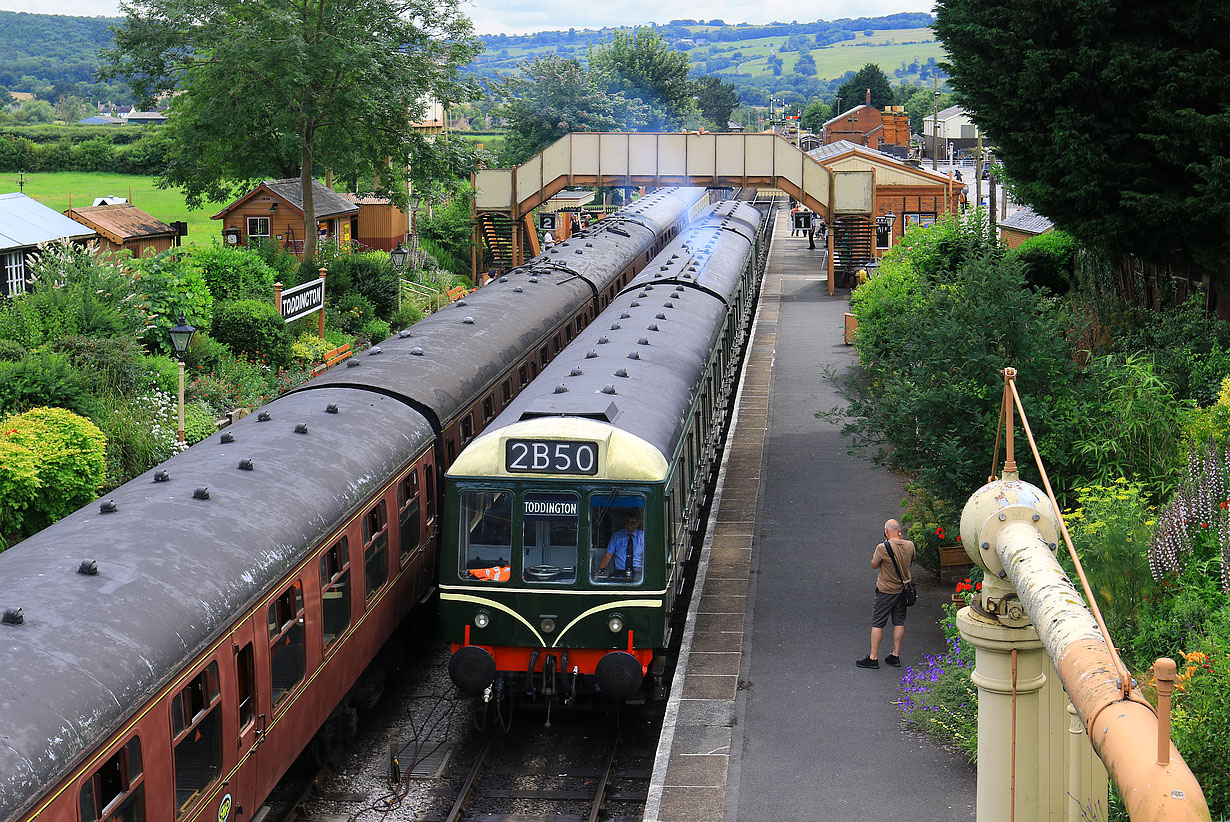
{"x": 332, "y": 358}
{"x": 456, "y": 293}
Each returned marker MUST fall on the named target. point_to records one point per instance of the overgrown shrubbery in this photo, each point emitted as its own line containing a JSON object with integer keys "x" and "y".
{"x": 234, "y": 273}
{"x": 253, "y": 328}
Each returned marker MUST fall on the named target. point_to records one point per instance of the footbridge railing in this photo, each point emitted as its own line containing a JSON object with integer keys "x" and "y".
{"x": 664, "y": 159}
{"x": 1031, "y": 632}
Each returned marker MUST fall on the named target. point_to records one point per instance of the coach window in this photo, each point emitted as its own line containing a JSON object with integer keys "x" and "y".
{"x": 452, "y": 451}
{"x": 523, "y": 374}
{"x": 550, "y": 524}
{"x": 286, "y": 642}
{"x": 568, "y": 333}
{"x": 556, "y": 344}
{"x": 488, "y": 409}
{"x": 617, "y": 526}
{"x": 580, "y": 323}
{"x": 115, "y": 792}
{"x": 245, "y": 674}
{"x": 335, "y": 590}
{"x": 375, "y": 548}
{"x": 543, "y": 356}
{"x": 196, "y": 719}
{"x": 506, "y": 393}
{"x": 486, "y": 535}
{"x": 429, "y": 491}
{"x": 467, "y": 428}
{"x": 408, "y": 517}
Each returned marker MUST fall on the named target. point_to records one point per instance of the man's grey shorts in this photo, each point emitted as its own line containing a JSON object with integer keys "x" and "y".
{"x": 887, "y": 605}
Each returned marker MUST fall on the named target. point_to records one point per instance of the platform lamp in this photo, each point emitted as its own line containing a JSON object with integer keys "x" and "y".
{"x": 399, "y": 257}
{"x": 181, "y": 336}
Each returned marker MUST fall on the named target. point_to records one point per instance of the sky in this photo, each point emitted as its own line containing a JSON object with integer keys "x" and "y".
{"x": 521, "y": 16}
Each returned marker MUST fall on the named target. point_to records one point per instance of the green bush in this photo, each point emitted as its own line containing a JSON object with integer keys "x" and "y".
{"x": 167, "y": 286}
{"x": 66, "y": 470}
{"x": 309, "y": 348}
{"x": 353, "y": 312}
{"x": 1049, "y": 261}
{"x": 1190, "y": 349}
{"x": 1200, "y": 723}
{"x": 161, "y": 373}
{"x": 204, "y": 353}
{"x": 406, "y": 316}
{"x": 45, "y": 379}
{"x": 140, "y": 431}
{"x": 114, "y": 363}
{"x": 234, "y": 273}
{"x": 84, "y": 270}
{"x": 369, "y": 274}
{"x": 254, "y": 329}
{"x": 199, "y": 422}
{"x": 11, "y": 351}
{"x": 376, "y": 331}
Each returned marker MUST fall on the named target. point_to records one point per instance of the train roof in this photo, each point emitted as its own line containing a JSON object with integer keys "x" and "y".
{"x": 634, "y": 368}
{"x": 446, "y": 360}
{"x": 174, "y": 571}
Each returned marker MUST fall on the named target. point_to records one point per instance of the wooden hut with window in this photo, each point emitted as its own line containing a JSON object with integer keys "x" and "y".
{"x": 273, "y": 212}
{"x": 379, "y": 224}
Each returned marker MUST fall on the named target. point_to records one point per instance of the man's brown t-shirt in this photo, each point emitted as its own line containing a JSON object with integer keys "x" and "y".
{"x": 888, "y": 582}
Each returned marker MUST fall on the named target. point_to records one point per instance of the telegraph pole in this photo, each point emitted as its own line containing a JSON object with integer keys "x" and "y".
{"x": 935, "y": 123}
{"x": 978, "y": 172}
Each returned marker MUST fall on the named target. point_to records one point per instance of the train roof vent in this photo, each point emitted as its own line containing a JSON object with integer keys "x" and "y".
{"x": 621, "y": 372}
{"x": 301, "y": 428}
{"x": 331, "y": 408}
{"x": 13, "y": 616}
{"x": 608, "y": 389}
{"x": 108, "y": 507}
{"x": 592, "y": 353}
{"x": 264, "y": 416}
{"x": 405, "y": 332}
{"x": 560, "y": 389}
{"x": 468, "y": 321}
{"x": 374, "y": 350}
{"x": 245, "y": 464}
{"x": 161, "y": 475}
{"x": 88, "y": 568}
{"x": 580, "y": 406}
{"x": 416, "y": 351}
{"x": 653, "y": 327}
{"x": 615, "y": 326}
{"x": 603, "y": 340}
{"x": 635, "y": 304}
{"x": 352, "y": 363}
{"x": 226, "y": 437}
{"x": 617, "y": 230}
{"x": 518, "y": 289}
{"x": 625, "y": 315}
{"x": 201, "y": 493}
{"x": 576, "y": 372}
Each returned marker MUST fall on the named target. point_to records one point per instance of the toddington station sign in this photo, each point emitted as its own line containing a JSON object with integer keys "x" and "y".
{"x": 302, "y": 300}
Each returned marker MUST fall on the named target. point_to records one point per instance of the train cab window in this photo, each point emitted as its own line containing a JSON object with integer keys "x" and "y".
{"x": 467, "y": 428}
{"x": 409, "y": 519}
{"x": 375, "y": 548}
{"x": 196, "y": 722}
{"x": 488, "y": 409}
{"x": 617, "y": 539}
{"x": 523, "y": 374}
{"x": 506, "y": 393}
{"x": 486, "y": 536}
{"x": 286, "y": 642}
{"x": 335, "y": 590}
{"x": 550, "y": 524}
{"x": 115, "y": 791}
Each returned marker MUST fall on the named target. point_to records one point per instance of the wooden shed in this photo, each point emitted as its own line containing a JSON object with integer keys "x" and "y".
{"x": 1022, "y": 225}
{"x": 124, "y": 227}
{"x": 274, "y": 211}
{"x": 379, "y": 224}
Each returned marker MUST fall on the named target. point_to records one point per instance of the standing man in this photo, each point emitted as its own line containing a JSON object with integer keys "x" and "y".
{"x": 627, "y": 547}
{"x": 888, "y": 600}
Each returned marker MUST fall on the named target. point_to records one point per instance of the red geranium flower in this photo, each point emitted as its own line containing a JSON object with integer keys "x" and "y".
{"x": 978, "y": 587}
{"x": 939, "y": 532}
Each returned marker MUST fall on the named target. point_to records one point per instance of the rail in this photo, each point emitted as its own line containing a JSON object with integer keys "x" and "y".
{"x": 1028, "y": 607}
{"x": 433, "y": 297}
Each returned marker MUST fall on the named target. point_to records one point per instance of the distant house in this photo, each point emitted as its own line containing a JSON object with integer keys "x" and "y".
{"x": 22, "y": 96}
{"x": 947, "y": 131}
{"x": 124, "y": 227}
{"x": 1022, "y": 225}
{"x": 273, "y": 211}
{"x": 146, "y": 118}
{"x": 866, "y": 125}
{"x": 25, "y": 224}
{"x": 101, "y": 120}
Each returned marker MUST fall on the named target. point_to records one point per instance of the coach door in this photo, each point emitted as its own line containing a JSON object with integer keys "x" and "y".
{"x": 250, "y": 723}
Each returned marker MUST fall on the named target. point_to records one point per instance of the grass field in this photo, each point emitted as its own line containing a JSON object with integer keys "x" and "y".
{"x": 888, "y": 49}
{"x": 58, "y": 189}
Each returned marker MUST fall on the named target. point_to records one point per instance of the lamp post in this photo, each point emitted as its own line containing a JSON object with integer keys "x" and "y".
{"x": 181, "y": 335}
{"x": 399, "y": 257}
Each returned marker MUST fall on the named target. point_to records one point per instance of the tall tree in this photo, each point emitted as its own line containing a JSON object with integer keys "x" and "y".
{"x": 716, "y": 100}
{"x": 853, "y": 92}
{"x": 642, "y": 65}
{"x": 1114, "y": 120}
{"x": 815, "y": 116}
{"x": 553, "y": 96}
{"x": 289, "y": 88}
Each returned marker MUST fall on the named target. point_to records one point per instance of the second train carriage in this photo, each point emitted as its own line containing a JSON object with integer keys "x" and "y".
{"x": 624, "y": 425}
{"x": 168, "y": 654}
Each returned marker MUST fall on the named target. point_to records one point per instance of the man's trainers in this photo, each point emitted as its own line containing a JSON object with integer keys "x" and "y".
{"x": 893, "y": 659}
{"x": 868, "y": 662}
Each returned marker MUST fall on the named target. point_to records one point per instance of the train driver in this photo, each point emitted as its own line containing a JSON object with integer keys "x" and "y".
{"x": 625, "y": 545}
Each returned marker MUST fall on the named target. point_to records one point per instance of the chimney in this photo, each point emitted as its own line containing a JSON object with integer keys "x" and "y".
{"x": 868, "y": 96}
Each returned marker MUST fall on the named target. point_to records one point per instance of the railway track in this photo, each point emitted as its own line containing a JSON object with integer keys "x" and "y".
{"x": 582, "y": 773}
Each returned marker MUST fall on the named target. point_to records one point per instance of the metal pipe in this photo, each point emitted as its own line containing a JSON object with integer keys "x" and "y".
{"x": 1003, "y": 527}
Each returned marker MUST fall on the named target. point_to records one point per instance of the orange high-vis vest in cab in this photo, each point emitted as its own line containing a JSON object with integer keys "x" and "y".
{"x": 498, "y": 573}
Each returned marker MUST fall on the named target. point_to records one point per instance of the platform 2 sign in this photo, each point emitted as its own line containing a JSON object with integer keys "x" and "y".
{"x": 551, "y": 457}
{"x": 303, "y": 300}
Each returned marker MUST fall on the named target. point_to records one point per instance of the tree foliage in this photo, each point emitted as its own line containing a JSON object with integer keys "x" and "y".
{"x": 717, "y": 100}
{"x": 286, "y": 90}
{"x": 815, "y": 116}
{"x": 853, "y": 92}
{"x": 553, "y": 96}
{"x": 1113, "y": 118}
{"x": 643, "y": 66}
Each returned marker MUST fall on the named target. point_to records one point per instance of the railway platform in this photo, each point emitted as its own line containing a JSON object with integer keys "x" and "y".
{"x": 768, "y": 718}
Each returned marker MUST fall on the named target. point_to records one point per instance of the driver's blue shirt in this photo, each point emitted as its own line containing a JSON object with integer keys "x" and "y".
{"x": 618, "y": 547}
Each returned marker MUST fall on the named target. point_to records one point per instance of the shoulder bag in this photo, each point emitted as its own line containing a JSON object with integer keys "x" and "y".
{"x": 909, "y": 593}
